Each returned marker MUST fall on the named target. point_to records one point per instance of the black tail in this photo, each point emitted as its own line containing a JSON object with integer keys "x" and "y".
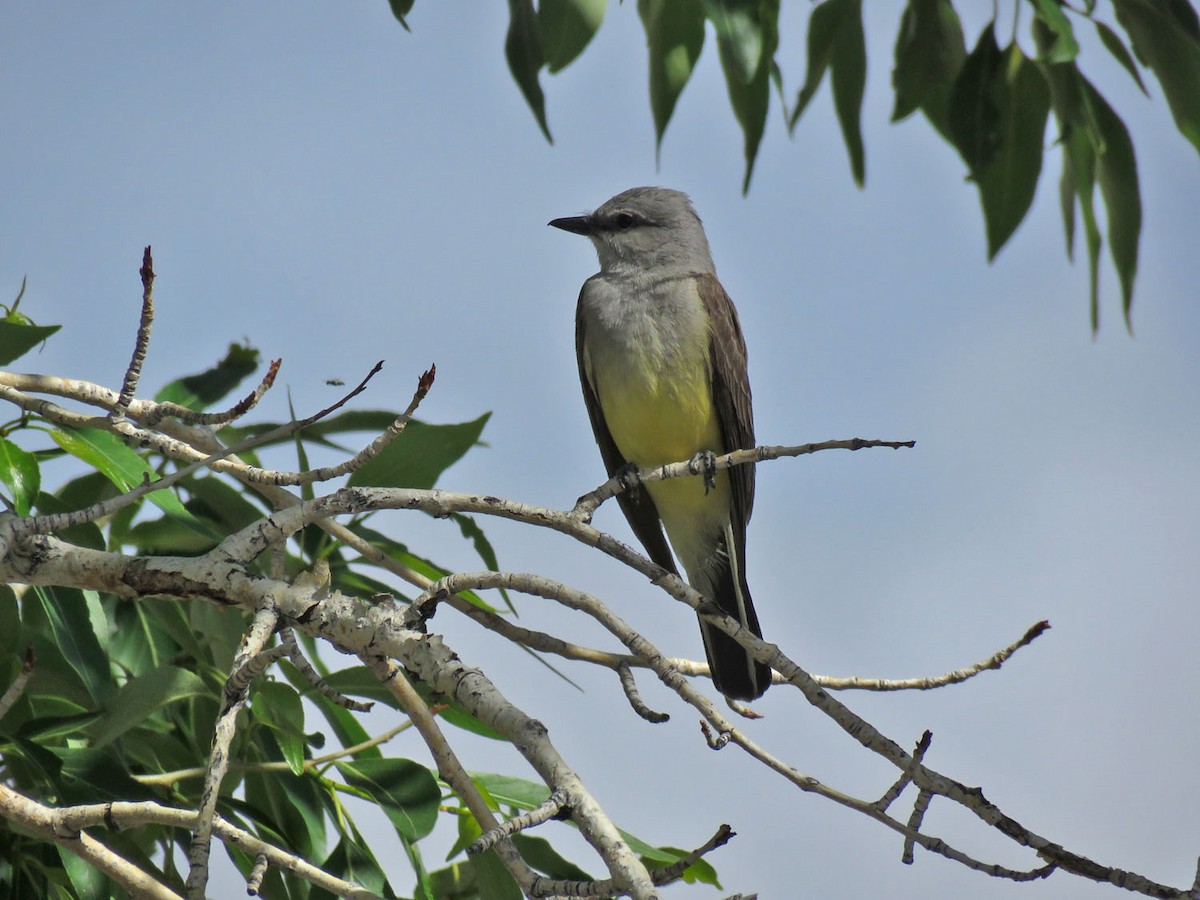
{"x": 735, "y": 673}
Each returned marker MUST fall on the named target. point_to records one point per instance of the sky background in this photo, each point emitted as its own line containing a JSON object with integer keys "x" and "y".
{"x": 336, "y": 191}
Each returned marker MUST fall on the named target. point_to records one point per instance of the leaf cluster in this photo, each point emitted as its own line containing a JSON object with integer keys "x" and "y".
{"x": 990, "y": 100}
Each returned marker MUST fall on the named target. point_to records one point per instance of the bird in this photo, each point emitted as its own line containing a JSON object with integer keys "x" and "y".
{"x": 662, "y": 364}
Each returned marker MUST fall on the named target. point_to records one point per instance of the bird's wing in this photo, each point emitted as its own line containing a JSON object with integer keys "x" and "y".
{"x": 639, "y": 509}
{"x": 731, "y": 391}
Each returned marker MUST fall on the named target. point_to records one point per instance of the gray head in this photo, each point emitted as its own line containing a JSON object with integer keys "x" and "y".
{"x": 645, "y": 228}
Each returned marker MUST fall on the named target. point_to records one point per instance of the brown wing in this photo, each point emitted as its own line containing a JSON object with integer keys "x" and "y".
{"x": 639, "y": 509}
{"x": 731, "y": 392}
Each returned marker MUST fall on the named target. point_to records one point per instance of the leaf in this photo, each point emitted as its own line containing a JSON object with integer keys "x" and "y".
{"x": 747, "y": 36}
{"x": 417, "y": 458}
{"x": 202, "y": 390}
{"x": 87, "y": 882}
{"x": 142, "y": 697}
{"x": 484, "y": 875}
{"x": 90, "y": 774}
{"x": 19, "y": 337}
{"x": 512, "y": 791}
{"x": 124, "y": 468}
{"x": 929, "y": 54}
{"x": 400, "y": 9}
{"x": 835, "y": 42}
{"x": 352, "y": 860}
{"x": 295, "y": 805}
{"x": 1063, "y": 48}
{"x": 1166, "y": 36}
{"x": 974, "y": 118}
{"x": 87, "y": 534}
{"x": 400, "y": 553}
{"x": 1008, "y": 182}
{"x": 70, "y": 627}
{"x": 674, "y": 38}
{"x": 1079, "y": 139}
{"x": 848, "y": 73}
{"x": 565, "y": 27}
{"x": 19, "y": 472}
{"x": 406, "y": 792}
{"x": 1079, "y": 160}
{"x": 1116, "y": 172}
{"x": 1114, "y": 45}
{"x": 523, "y": 50}
{"x": 277, "y": 706}
{"x": 739, "y": 34}
{"x": 540, "y": 854}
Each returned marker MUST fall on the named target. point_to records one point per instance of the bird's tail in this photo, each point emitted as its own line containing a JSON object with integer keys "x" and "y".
{"x": 735, "y": 673}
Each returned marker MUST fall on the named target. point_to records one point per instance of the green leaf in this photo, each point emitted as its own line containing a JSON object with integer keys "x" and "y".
{"x": 523, "y": 50}
{"x": 1114, "y": 45}
{"x": 1008, "y": 181}
{"x": 19, "y": 472}
{"x": 278, "y": 706}
{"x": 295, "y": 805}
{"x": 486, "y": 870}
{"x": 470, "y": 530}
{"x": 406, "y": 792}
{"x": 836, "y": 42}
{"x": 1166, "y": 36}
{"x": 974, "y": 107}
{"x": 19, "y": 337}
{"x": 124, "y": 468}
{"x": 512, "y": 791}
{"x": 747, "y": 36}
{"x": 87, "y": 534}
{"x": 87, "y": 882}
{"x": 144, "y": 696}
{"x": 1079, "y": 139}
{"x": 1063, "y": 48}
{"x": 739, "y": 34}
{"x": 565, "y": 27}
{"x": 1116, "y": 171}
{"x": 202, "y": 390}
{"x": 929, "y": 54}
{"x": 215, "y": 500}
{"x": 90, "y": 774}
{"x": 352, "y": 860}
{"x": 848, "y": 73}
{"x": 400, "y": 9}
{"x": 540, "y": 854}
{"x": 417, "y": 458}
{"x": 70, "y": 627}
{"x": 674, "y": 38}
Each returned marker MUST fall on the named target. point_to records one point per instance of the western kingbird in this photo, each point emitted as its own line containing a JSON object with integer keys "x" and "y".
{"x": 662, "y": 363}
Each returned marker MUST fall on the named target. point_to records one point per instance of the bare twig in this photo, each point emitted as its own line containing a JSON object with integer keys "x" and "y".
{"x": 244, "y": 669}
{"x": 14, "y": 691}
{"x": 629, "y": 685}
{"x": 66, "y": 826}
{"x": 164, "y": 408}
{"x": 548, "y": 809}
{"x": 133, "y": 374}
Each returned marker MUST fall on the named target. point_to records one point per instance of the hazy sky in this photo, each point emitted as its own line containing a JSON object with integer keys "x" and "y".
{"x": 337, "y": 191}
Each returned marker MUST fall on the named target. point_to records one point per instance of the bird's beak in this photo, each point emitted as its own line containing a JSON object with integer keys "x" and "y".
{"x": 574, "y": 224}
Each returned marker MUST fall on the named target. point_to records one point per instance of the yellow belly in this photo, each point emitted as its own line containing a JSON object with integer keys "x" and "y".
{"x": 656, "y": 418}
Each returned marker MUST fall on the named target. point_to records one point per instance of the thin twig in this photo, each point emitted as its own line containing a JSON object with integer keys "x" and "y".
{"x": 133, "y": 374}
{"x": 232, "y": 701}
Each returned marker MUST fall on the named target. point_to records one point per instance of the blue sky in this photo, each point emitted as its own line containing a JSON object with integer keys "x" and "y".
{"x": 337, "y": 191}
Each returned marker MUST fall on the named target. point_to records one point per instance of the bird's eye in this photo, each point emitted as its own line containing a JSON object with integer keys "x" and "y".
{"x": 625, "y": 220}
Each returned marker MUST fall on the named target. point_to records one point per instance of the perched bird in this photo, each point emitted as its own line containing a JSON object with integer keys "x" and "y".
{"x": 662, "y": 363}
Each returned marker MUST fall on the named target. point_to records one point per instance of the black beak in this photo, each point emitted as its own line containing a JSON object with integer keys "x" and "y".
{"x": 574, "y": 224}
